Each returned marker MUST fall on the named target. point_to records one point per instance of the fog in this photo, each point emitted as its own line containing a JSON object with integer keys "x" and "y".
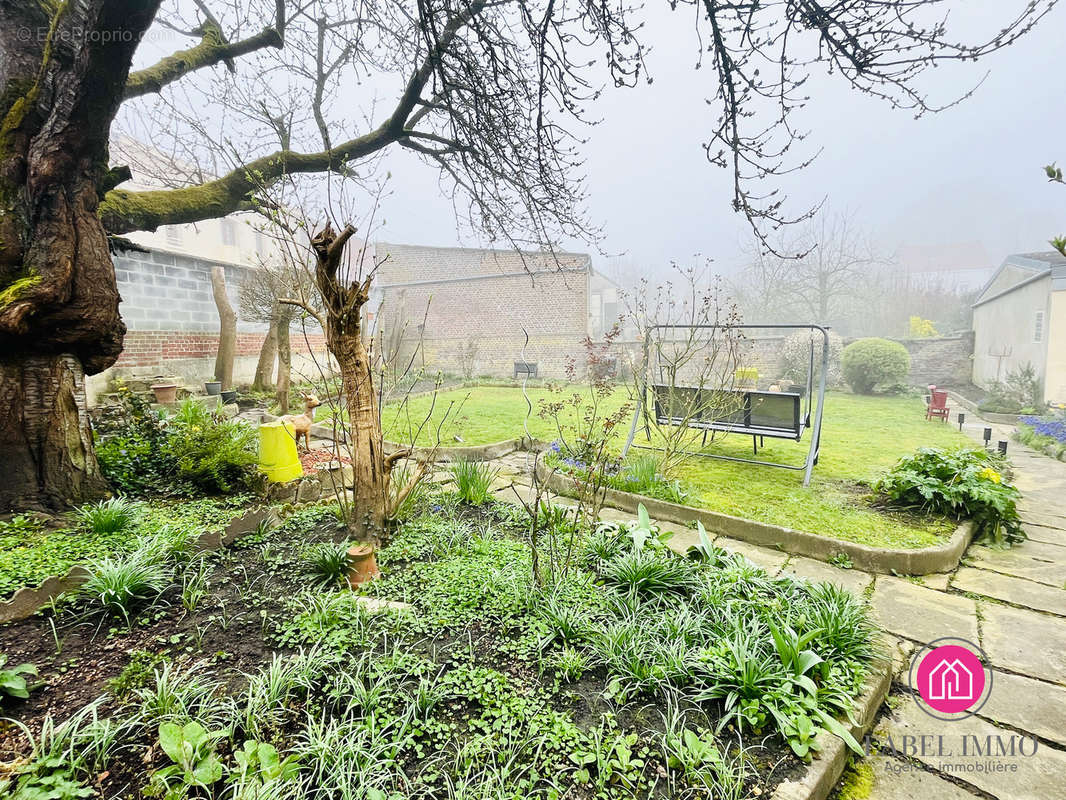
{"x": 965, "y": 180}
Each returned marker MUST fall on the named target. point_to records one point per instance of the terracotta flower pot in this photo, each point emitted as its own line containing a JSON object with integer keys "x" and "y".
{"x": 165, "y": 393}
{"x": 363, "y": 566}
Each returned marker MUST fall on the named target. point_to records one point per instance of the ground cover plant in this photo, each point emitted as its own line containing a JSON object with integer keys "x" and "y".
{"x": 1047, "y": 434}
{"x": 32, "y": 548}
{"x": 633, "y": 673}
{"x": 966, "y": 483}
{"x": 192, "y": 451}
{"x": 862, "y": 437}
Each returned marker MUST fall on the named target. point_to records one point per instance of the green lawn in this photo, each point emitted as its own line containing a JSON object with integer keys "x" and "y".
{"x": 861, "y": 438}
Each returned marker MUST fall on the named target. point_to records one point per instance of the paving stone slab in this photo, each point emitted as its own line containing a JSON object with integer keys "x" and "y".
{"x": 1042, "y": 533}
{"x": 765, "y": 557}
{"x": 1033, "y": 777}
{"x": 937, "y": 580}
{"x": 1019, "y": 591}
{"x": 851, "y": 579}
{"x": 895, "y": 779}
{"x": 923, "y": 614}
{"x": 1045, "y": 563}
{"x": 614, "y": 515}
{"x": 1042, "y": 518}
{"x": 1023, "y": 641}
{"x": 1028, "y": 705}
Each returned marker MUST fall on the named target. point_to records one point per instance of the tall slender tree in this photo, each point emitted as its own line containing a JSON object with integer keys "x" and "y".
{"x": 484, "y": 92}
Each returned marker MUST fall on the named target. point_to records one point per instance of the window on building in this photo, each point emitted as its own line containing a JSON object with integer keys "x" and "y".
{"x": 229, "y": 232}
{"x": 1038, "y": 327}
{"x": 175, "y": 235}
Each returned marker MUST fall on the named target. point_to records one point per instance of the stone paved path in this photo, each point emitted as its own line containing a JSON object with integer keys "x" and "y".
{"x": 1011, "y": 602}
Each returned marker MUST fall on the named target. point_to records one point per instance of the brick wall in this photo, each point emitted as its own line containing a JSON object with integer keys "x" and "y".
{"x": 454, "y": 297}
{"x": 151, "y": 348}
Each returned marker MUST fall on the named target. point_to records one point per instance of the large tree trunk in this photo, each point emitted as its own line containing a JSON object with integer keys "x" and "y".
{"x": 227, "y": 331}
{"x": 264, "y": 368}
{"x": 44, "y": 434}
{"x": 62, "y": 80}
{"x": 284, "y": 363}
{"x": 371, "y": 469}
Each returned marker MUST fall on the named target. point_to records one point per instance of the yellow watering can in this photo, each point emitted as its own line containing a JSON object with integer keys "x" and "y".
{"x": 277, "y": 452}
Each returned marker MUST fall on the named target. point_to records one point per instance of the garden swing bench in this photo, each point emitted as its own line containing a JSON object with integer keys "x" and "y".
{"x": 750, "y": 412}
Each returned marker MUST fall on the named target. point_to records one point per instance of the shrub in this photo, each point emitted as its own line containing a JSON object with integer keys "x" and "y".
{"x": 149, "y": 453}
{"x": 959, "y": 483}
{"x": 133, "y": 455}
{"x": 107, "y": 516}
{"x": 921, "y": 328}
{"x": 1021, "y": 393}
{"x": 794, "y": 358}
{"x": 870, "y": 364}
{"x": 211, "y": 452}
{"x": 473, "y": 479}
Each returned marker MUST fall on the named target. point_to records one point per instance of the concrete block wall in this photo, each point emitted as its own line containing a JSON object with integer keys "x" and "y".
{"x": 172, "y": 322}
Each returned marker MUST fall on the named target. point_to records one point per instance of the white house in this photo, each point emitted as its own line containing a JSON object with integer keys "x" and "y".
{"x": 1020, "y": 318}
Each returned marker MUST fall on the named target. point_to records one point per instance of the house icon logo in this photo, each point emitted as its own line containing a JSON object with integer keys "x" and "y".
{"x": 948, "y": 677}
{"x": 950, "y": 680}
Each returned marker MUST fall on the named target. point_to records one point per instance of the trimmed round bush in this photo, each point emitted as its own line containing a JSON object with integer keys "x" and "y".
{"x": 870, "y": 363}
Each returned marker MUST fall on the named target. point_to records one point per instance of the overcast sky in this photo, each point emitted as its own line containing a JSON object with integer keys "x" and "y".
{"x": 969, "y": 174}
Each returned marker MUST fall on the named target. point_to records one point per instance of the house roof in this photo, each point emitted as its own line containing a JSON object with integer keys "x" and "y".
{"x": 1026, "y": 268}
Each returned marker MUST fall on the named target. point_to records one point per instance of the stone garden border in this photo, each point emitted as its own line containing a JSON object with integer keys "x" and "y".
{"x": 824, "y": 771}
{"x": 27, "y": 601}
{"x": 989, "y": 416}
{"x": 475, "y": 452}
{"x": 920, "y": 561}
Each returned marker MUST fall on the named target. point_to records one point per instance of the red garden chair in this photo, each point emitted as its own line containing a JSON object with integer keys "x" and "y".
{"x": 938, "y": 404}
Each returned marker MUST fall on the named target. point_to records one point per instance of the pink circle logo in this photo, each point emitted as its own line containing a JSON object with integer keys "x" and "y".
{"x": 950, "y": 679}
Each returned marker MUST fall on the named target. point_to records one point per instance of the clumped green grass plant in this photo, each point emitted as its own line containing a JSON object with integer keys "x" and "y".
{"x": 650, "y": 573}
{"x": 108, "y": 516}
{"x": 473, "y": 480}
{"x": 119, "y": 584}
{"x": 328, "y": 561}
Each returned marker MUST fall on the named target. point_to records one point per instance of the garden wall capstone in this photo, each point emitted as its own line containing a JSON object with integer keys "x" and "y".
{"x": 920, "y": 561}
{"x": 27, "y": 601}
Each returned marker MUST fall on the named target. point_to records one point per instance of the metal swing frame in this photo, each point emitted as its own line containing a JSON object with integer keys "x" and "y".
{"x": 744, "y": 429}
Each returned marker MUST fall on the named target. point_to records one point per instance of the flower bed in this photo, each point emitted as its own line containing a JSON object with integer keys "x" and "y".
{"x": 1048, "y": 435}
{"x": 627, "y": 672}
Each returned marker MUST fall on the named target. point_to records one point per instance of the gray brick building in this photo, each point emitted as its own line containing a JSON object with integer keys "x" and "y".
{"x": 469, "y": 307}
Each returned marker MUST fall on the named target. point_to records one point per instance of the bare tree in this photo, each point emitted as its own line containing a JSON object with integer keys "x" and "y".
{"x": 835, "y": 261}
{"x": 486, "y": 92}
{"x": 261, "y": 297}
{"x": 692, "y": 353}
{"x": 227, "y": 329}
